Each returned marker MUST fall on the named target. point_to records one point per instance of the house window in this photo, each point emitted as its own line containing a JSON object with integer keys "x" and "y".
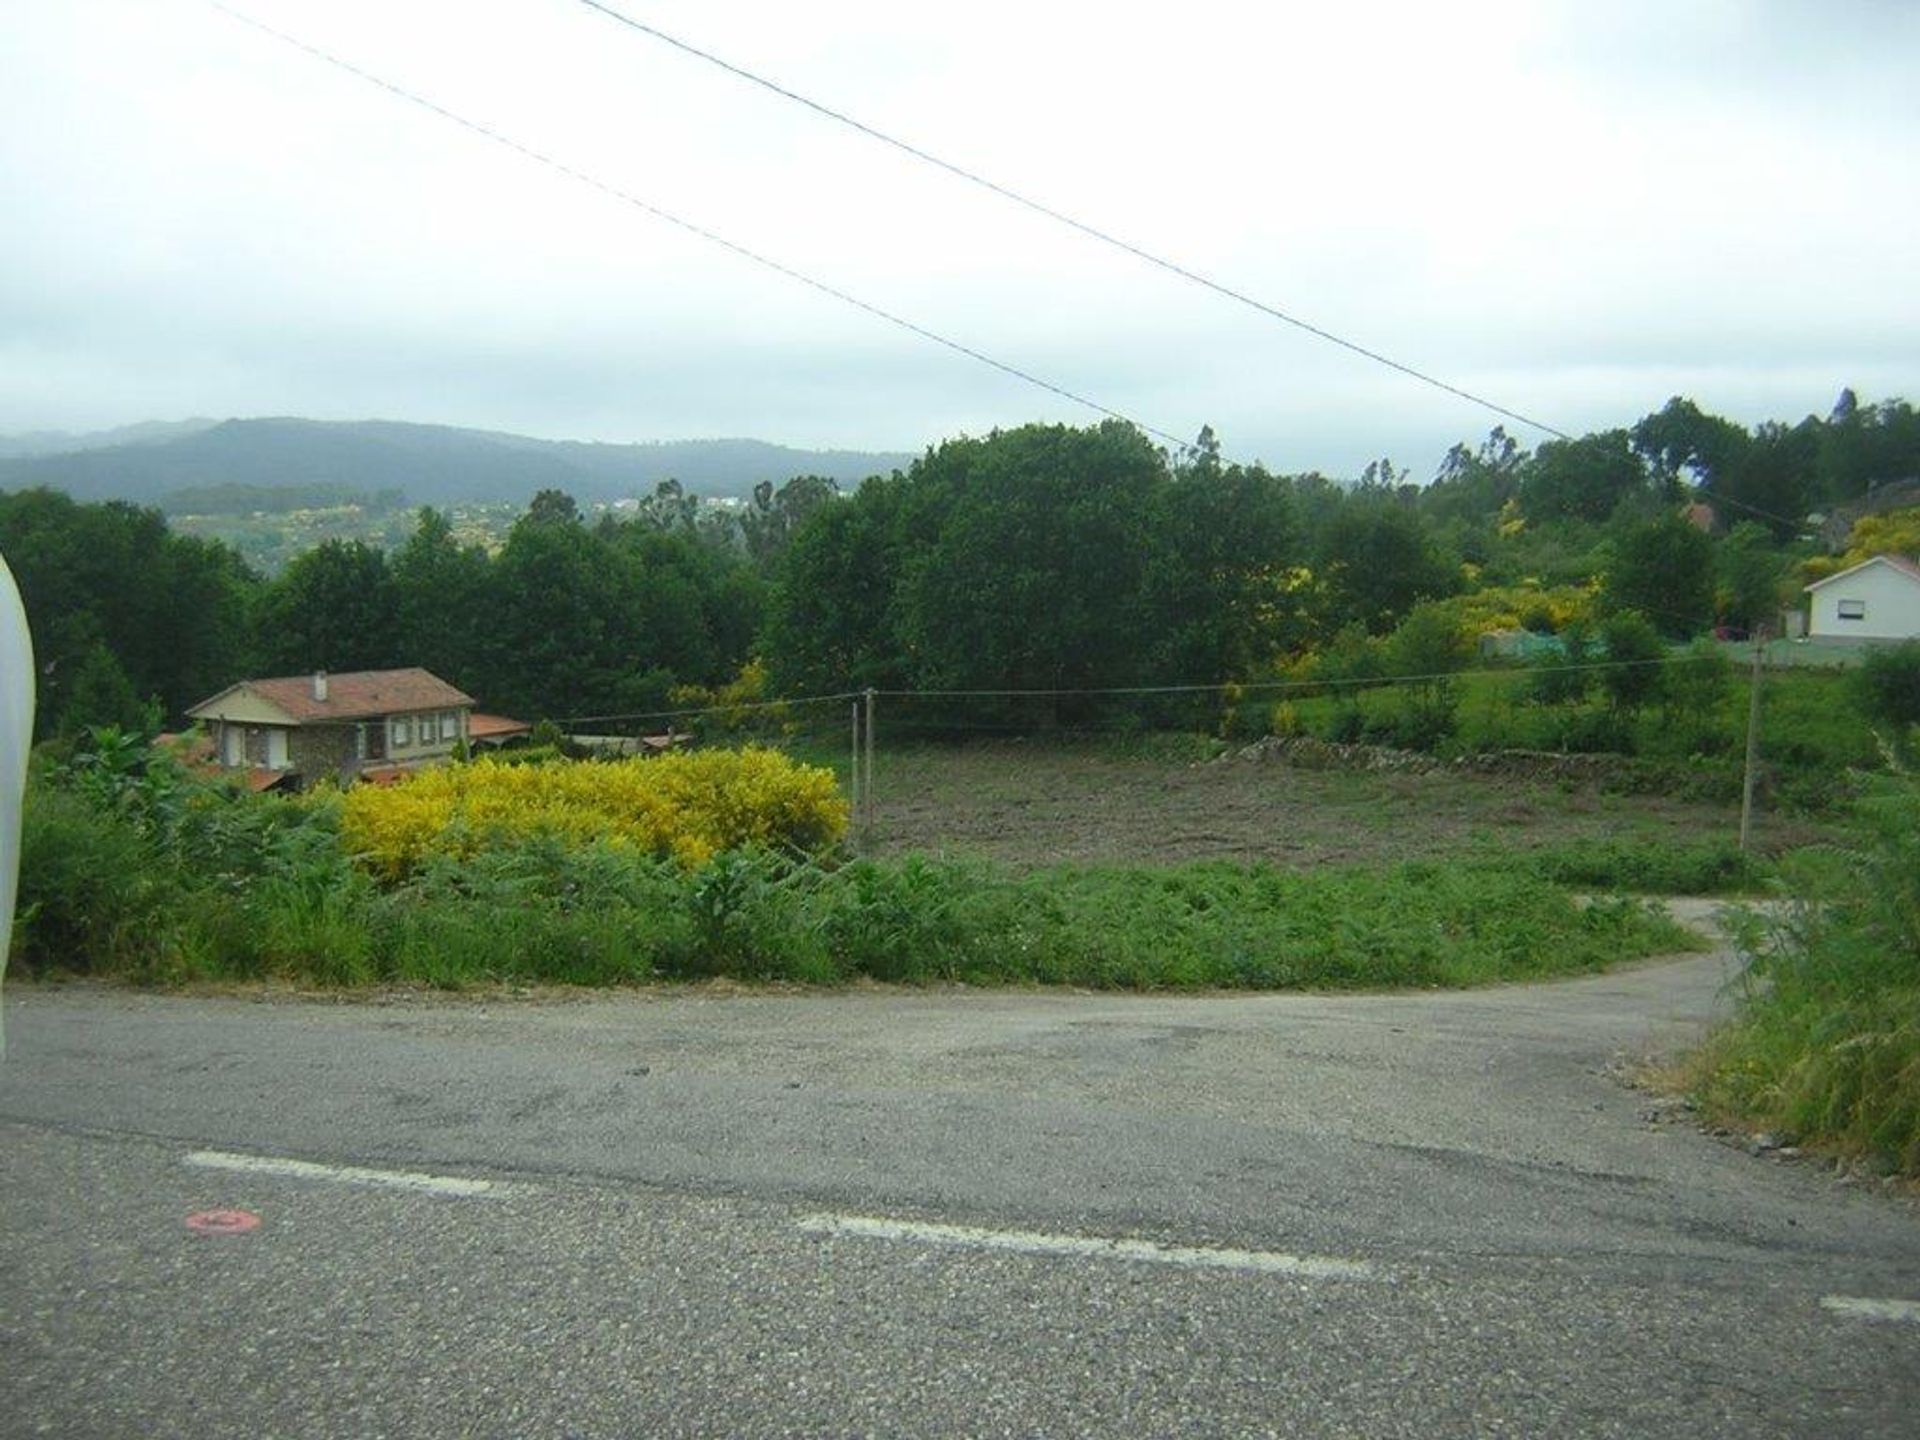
{"x": 403, "y": 729}
{"x": 1853, "y": 610}
{"x": 449, "y": 725}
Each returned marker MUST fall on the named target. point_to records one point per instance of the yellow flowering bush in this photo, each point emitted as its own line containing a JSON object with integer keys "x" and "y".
{"x": 690, "y": 806}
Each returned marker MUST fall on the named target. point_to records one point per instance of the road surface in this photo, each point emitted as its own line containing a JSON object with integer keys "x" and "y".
{"x": 920, "y": 1213}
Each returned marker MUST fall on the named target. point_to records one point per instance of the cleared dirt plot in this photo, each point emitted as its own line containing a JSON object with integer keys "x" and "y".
{"x": 1033, "y": 803}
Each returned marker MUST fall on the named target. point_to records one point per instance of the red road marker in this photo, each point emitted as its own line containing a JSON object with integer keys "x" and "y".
{"x": 222, "y": 1222}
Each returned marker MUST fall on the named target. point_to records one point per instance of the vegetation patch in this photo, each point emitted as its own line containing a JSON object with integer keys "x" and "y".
{"x": 136, "y": 870}
{"x": 1654, "y": 867}
{"x": 1826, "y": 1047}
{"x": 688, "y": 806}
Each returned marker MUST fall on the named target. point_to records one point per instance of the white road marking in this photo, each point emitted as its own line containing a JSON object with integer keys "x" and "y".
{"x": 967, "y": 1237}
{"x": 1858, "y": 1307}
{"x": 452, "y": 1185}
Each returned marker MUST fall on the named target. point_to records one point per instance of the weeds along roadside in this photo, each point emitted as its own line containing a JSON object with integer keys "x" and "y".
{"x": 134, "y": 869}
{"x": 1825, "y": 1048}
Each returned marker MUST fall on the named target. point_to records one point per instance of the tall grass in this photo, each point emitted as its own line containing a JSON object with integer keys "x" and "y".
{"x": 1826, "y": 1047}
{"x": 133, "y": 869}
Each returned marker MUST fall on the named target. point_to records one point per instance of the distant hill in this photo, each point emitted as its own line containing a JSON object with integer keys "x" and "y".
{"x": 61, "y": 442}
{"x": 428, "y": 464}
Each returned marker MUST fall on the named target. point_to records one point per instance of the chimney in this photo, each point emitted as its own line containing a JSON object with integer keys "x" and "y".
{"x": 320, "y": 685}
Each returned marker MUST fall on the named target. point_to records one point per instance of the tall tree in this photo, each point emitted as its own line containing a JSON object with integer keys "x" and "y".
{"x": 1036, "y": 547}
{"x": 440, "y": 597}
{"x": 332, "y": 608}
{"x": 1774, "y": 478}
{"x": 1584, "y": 479}
{"x": 170, "y": 610}
{"x": 1680, "y": 438}
{"x": 1222, "y": 541}
{"x": 830, "y": 614}
{"x": 1662, "y": 568}
{"x": 1749, "y": 571}
{"x": 1376, "y": 561}
{"x": 560, "y": 636}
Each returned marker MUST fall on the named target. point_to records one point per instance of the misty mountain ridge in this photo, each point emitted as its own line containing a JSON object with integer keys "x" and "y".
{"x": 430, "y": 464}
{"x": 63, "y": 442}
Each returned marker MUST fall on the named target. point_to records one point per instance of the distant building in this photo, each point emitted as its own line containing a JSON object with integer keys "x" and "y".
{"x": 302, "y": 728}
{"x": 1878, "y": 599}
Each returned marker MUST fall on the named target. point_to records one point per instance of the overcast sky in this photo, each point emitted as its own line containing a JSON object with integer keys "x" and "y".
{"x": 1574, "y": 209}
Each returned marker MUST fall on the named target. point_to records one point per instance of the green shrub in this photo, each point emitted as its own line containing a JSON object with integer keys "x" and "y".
{"x": 1826, "y": 1047}
{"x": 1651, "y": 867}
{"x": 95, "y": 893}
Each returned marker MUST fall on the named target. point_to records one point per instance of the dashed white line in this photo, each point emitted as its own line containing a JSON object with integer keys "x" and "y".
{"x": 1859, "y": 1307}
{"x": 448, "y": 1185}
{"x": 1087, "y": 1247}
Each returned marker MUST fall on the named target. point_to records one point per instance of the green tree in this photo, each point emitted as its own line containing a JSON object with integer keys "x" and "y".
{"x": 1375, "y": 561}
{"x": 1681, "y": 437}
{"x": 440, "y": 590}
{"x": 1033, "y": 547}
{"x": 1564, "y": 678}
{"x": 1863, "y": 446}
{"x": 1424, "y": 653}
{"x": 1634, "y": 675}
{"x": 100, "y": 694}
{"x": 554, "y": 507}
{"x": 830, "y": 613}
{"x": 1887, "y": 686}
{"x": 1471, "y": 486}
{"x": 171, "y": 610}
{"x": 1584, "y": 479}
{"x": 1221, "y": 540}
{"x": 775, "y": 516}
{"x": 1663, "y": 568}
{"x": 333, "y": 608}
{"x": 561, "y": 640}
{"x": 1750, "y": 572}
{"x": 1696, "y": 688}
{"x": 1774, "y": 478}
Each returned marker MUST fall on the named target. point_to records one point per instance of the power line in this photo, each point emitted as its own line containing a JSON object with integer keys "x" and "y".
{"x": 1060, "y": 217}
{"x": 700, "y": 231}
{"x": 734, "y": 709}
{"x": 1715, "y": 499}
{"x": 1378, "y": 682}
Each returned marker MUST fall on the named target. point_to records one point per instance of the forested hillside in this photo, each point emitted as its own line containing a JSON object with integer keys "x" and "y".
{"x": 427, "y": 464}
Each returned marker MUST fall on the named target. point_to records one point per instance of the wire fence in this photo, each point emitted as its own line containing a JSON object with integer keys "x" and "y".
{"x": 884, "y": 743}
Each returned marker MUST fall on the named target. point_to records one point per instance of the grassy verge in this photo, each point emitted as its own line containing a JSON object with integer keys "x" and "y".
{"x": 1653, "y": 866}
{"x": 1826, "y": 1047}
{"x": 241, "y": 888}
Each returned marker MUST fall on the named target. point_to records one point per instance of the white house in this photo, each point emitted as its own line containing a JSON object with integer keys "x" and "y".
{"x": 1878, "y": 599}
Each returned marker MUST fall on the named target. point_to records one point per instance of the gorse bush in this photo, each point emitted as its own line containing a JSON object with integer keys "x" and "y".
{"x": 690, "y": 807}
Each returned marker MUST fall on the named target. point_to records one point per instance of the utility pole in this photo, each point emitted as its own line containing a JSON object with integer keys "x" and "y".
{"x": 1753, "y": 740}
{"x": 869, "y": 769}
{"x": 853, "y": 771}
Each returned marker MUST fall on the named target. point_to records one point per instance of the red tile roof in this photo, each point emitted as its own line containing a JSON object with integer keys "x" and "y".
{"x": 355, "y": 695}
{"x": 495, "y": 727}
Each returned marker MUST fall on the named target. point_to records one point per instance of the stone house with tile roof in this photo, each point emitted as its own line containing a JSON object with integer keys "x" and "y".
{"x": 343, "y": 727}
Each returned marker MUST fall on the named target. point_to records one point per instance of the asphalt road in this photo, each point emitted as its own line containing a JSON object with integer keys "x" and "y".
{"x": 891, "y": 1213}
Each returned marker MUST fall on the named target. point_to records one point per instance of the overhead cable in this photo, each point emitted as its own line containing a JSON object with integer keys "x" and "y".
{"x": 1094, "y": 232}
{"x": 700, "y": 231}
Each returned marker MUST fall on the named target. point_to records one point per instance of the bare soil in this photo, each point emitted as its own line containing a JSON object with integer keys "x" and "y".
{"x": 1028, "y": 803}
